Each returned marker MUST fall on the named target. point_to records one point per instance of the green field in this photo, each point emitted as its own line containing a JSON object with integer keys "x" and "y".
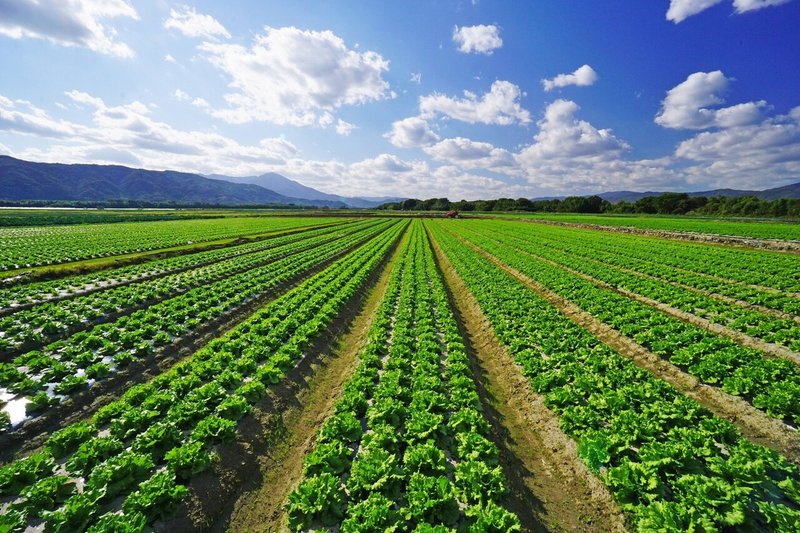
{"x": 371, "y": 373}
{"x": 758, "y": 229}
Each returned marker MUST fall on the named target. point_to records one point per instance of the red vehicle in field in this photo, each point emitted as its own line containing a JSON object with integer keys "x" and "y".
{"x": 452, "y": 214}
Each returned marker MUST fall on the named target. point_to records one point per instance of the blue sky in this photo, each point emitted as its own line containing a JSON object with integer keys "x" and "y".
{"x": 465, "y": 99}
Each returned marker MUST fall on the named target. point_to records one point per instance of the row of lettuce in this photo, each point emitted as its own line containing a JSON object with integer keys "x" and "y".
{"x": 781, "y": 330}
{"x": 126, "y": 467}
{"x": 23, "y": 295}
{"x": 755, "y": 277}
{"x": 42, "y": 379}
{"x": 407, "y": 447}
{"x": 770, "y": 384}
{"x": 36, "y": 325}
{"x": 22, "y": 247}
{"x": 670, "y": 463}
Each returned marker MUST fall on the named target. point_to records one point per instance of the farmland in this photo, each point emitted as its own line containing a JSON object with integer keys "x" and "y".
{"x": 378, "y": 373}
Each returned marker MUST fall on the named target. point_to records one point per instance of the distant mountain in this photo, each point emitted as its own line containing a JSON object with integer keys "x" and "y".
{"x": 787, "y": 191}
{"x": 287, "y": 187}
{"x": 25, "y": 180}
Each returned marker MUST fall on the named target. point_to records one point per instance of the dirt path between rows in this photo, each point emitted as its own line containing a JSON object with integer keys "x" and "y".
{"x": 755, "y": 425}
{"x": 776, "y": 245}
{"x": 261, "y": 507}
{"x": 767, "y": 348}
{"x": 549, "y": 481}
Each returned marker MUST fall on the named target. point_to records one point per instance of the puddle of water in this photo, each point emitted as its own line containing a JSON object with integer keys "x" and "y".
{"x": 16, "y": 410}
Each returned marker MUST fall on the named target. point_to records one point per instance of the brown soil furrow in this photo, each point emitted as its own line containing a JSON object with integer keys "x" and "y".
{"x": 542, "y": 463}
{"x": 755, "y": 425}
{"x": 767, "y": 348}
{"x": 265, "y": 465}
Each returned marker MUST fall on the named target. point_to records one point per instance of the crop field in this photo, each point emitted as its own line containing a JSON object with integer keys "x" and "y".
{"x": 367, "y": 373}
{"x": 772, "y": 229}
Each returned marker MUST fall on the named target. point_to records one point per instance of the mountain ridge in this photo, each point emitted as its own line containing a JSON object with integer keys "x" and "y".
{"x": 28, "y": 180}
{"x": 775, "y": 193}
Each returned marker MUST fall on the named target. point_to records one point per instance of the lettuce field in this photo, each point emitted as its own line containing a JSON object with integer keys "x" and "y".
{"x": 351, "y": 372}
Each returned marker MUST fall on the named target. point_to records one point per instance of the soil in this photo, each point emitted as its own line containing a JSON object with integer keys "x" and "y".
{"x": 709, "y": 238}
{"x": 551, "y": 488}
{"x": 33, "y": 432}
{"x": 247, "y": 488}
{"x": 755, "y": 425}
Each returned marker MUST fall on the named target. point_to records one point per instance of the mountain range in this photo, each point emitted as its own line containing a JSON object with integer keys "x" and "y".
{"x": 776, "y": 193}
{"x": 26, "y": 180}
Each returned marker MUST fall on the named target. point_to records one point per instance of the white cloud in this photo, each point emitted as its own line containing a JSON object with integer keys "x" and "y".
{"x": 470, "y": 154}
{"x": 200, "y": 102}
{"x": 24, "y": 118}
{"x": 193, "y": 24}
{"x": 169, "y": 59}
{"x": 344, "y": 128}
{"x": 128, "y": 134}
{"x": 743, "y": 6}
{"x": 411, "y": 132}
{"x": 68, "y": 22}
{"x": 292, "y": 76}
{"x": 680, "y": 10}
{"x": 765, "y": 154}
{"x": 501, "y": 105}
{"x": 562, "y": 136}
{"x": 582, "y": 77}
{"x": 181, "y": 96}
{"x": 480, "y": 39}
{"x": 388, "y": 175}
{"x": 416, "y": 77}
{"x": 687, "y": 104}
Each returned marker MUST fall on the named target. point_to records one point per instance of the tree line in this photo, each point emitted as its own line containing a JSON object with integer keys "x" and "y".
{"x": 664, "y": 204}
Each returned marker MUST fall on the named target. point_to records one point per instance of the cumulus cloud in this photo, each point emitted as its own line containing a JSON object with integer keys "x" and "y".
{"x": 411, "y": 132}
{"x": 680, "y": 10}
{"x": 687, "y": 104}
{"x": 480, "y": 39}
{"x": 562, "y": 136}
{"x": 193, "y": 24}
{"x": 741, "y": 156}
{"x": 501, "y": 105}
{"x": 582, "y": 77}
{"x": 68, "y": 22}
{"x": 470, "y": 154}
{"x": 292, "y": 76}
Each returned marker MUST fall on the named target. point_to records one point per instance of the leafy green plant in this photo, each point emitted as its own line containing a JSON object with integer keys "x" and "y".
{"x": 67, "y": 440}
{"x": 157, "y": 498}
{"x": 21, "y": 473}
{"x": 318, "y": 498}
{"x": 213, "y": 429}
{"x": 188, "y": 459}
